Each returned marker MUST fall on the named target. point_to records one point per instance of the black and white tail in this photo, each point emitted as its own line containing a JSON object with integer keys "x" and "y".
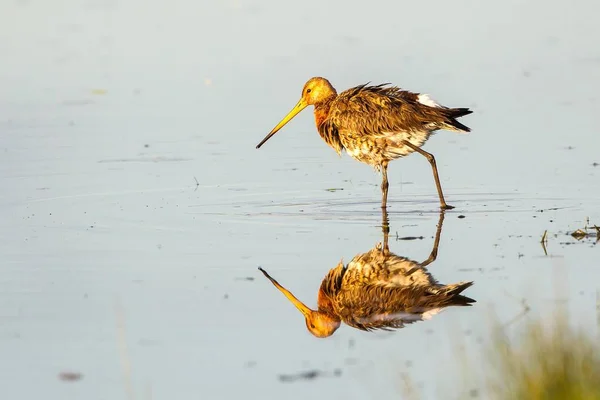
{"x": 453, "y": 294}
{"x": 452, "y": 124}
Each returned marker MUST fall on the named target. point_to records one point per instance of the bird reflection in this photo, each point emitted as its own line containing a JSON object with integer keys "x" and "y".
{"x": 379, "y": 290}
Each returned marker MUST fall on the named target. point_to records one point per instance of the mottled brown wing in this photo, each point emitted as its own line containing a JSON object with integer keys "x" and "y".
{"x": 373, "y": 110}
{"x": 374, "y": 307}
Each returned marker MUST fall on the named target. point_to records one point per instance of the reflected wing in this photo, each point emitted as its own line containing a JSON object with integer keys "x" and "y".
{"x": 387, "y": 270}
{"x": 377, "y": 307}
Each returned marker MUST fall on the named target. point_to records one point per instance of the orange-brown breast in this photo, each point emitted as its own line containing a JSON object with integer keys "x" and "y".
{"x": 321, "y": 114}
{"x": 324, "y": 302}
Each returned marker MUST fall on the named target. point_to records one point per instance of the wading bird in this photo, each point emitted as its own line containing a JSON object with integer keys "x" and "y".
{"x": 376, "y": 124}
{"x": 378, "y": 290}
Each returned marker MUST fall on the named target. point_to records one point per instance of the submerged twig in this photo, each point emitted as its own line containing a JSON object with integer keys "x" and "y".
{"x": 544, "y": 241}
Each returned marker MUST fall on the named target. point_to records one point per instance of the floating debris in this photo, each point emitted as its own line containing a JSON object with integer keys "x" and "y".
{"x": 245, "y": 278}
{"x": 70, "y": 376}
{"x": 409, "y": 237}
{"x": 308, "y": 375}
{"x": 587, "y": 232}
{"x": 549, "y": 209}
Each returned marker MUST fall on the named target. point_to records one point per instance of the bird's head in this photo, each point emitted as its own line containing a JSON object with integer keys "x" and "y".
{"x": 319, "y": 323}
{"x": 315, "y": 91}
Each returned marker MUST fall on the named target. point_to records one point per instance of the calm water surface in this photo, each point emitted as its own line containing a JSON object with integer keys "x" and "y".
{"x": 136, "y": 209}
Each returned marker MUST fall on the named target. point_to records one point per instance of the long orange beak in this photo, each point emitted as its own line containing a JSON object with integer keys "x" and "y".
{"x": 299, "y": 305}
{"x": 299, "y": 107}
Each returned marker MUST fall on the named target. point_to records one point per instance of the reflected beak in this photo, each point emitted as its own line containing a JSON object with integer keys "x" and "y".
{"x": 299, "y": 107}
{"x": 299, "y": 305}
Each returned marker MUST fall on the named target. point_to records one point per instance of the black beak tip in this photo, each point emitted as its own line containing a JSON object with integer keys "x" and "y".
{"x": 265, "y": 273}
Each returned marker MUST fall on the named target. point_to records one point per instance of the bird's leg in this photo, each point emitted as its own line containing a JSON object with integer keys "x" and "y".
{"x": 436, "y": 242}
{"x": 431, "y": 160}
{"x": 385, "y": 228}
{"x": 384, "y": 185}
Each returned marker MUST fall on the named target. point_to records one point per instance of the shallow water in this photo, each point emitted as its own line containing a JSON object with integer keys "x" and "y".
{"x": 136, "y": 209}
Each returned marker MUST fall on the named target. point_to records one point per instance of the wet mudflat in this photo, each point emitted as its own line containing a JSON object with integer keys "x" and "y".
{"x": 136, "y": 210}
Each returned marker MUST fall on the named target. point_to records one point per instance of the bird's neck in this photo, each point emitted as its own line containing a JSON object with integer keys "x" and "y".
{"x": 330, "y": 287}
{"x": 325, "y": 305}
{"x": 322, "y": 110}
{"x": 327, "y": 131}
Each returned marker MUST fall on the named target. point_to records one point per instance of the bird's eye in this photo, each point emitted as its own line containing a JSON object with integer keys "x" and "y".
{"x": 308, "y": 90}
